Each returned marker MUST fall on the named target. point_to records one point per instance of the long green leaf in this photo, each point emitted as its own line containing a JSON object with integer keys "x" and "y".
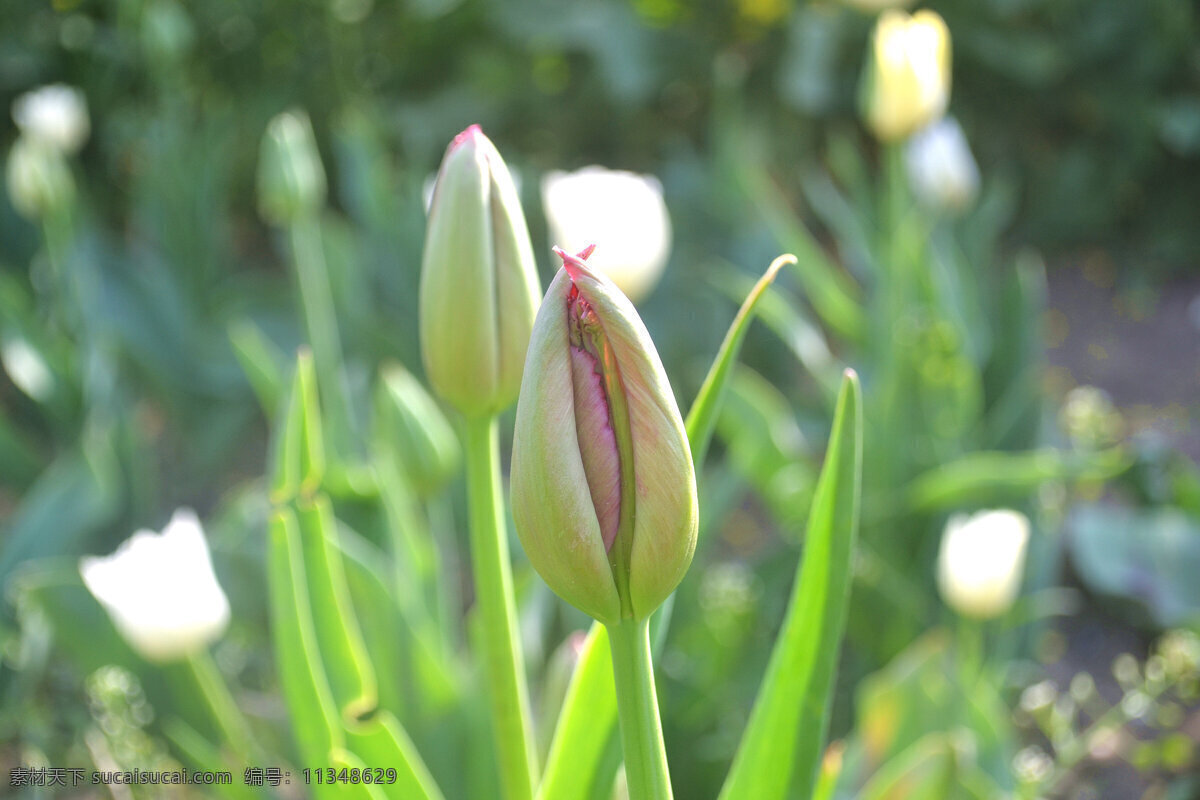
{"x": 580, "y": 765}
{"x": 997, "y": 477}
{"x": 314, "y": 722}
{"x": 383, "y": 742}
{"x": 339, "y": 637}
{"x": 781, "y": 747}
{"x": 702, "y": 417}
{"x": 260, "y": 360}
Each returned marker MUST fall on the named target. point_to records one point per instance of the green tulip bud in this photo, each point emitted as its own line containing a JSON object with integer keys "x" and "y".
{"x": 603, "y": 487}
{"x": 291, "y": 179}
{"x": 479, "y": 286}
{"x": 409, "y": 421}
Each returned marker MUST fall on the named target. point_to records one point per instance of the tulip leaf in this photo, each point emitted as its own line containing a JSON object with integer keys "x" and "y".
{"x": 925, "y": 771}
{"x": 831, "y": 291}
{"x": 298, "y": 452}
{"x": 995, "y": 477}
{"x": 339, "y": 637}
{"x": 302, "y": 674}
{"x": 781, "y": 747}
{"x": 202, "y": 755}
{"x": 702, "y": 417}
{"x": 586, "y": 726}
{"x": 382, "y": 742}
{"x": 261, "y": 361}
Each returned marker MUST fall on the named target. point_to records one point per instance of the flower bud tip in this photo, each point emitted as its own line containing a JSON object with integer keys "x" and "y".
{"x": 470, "y": 132}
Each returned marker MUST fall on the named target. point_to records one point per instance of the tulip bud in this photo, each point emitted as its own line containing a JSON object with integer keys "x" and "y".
{"x": 291, "y": 179}
{"x": 908, "y": 78}
{"x": 160, "y": 590}
{"x": 941, "y": 169}
{"x": 39, "y": 180}
{"x": 603, "y": 488}
{"x": 981, "y": 561}
{"x": 415, "y": 429}
{"x": 622, "y": 213}
{"x": 479, "y": 286}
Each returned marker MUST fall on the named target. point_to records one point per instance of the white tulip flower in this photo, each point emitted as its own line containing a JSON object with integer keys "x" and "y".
{"x": 622, "y": 213}
{"x": 981, "y": 561}
{"x": 55, "y": 115}
{"x": 908, "y": 85}
{"x": 160, "y": 590}
{"x": 941, "y": 170}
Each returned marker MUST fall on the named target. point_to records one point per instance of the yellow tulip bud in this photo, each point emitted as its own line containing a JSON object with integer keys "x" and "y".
{"x": 908, "y": 76}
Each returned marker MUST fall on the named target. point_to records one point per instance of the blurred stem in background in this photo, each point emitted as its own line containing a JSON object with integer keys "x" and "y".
{"x": 224, "y": 709}
{"x": 504, "y": 664}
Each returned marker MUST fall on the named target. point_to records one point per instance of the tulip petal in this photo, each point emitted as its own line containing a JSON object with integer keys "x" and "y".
{"x": 551, "y": 502}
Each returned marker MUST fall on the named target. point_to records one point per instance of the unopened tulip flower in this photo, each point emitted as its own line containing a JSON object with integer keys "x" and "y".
{"x": 160, "y": 590}
{"x": 603, "y": 487}
{"x": 622, "y": 213}
{"x": 38, "y": 178}
{"x": 291, "y": 179}
{"x": 908, "y": 80}
{"x": 981, "y": 561}
{"x": 413, "y": 426}
{"x": 941, "y": 169}
{"x": 55, "y": 116}
{"x": 479, "y": 286}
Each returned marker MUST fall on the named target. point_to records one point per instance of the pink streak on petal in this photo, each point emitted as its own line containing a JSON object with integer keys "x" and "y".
{"x": 597, "y": 443}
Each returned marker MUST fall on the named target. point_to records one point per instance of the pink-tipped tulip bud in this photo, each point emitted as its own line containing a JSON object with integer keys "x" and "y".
{"x": 479, "y": 287}
{"x": 603, "y": 488}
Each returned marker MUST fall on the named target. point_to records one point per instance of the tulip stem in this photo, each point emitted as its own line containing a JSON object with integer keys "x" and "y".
{"x": 637, "y": 705}
{"x": 504, "y": 665}
{"x": 230, "y": 722}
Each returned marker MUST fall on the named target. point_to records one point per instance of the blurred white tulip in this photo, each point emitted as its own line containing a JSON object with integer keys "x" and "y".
{"x": 941, "y": 169}
{"x": 622, "y": 213}
{"x": 981, "y": 562}
{"x": 54, "y": 115}
{"x": 160, "y": 590}
{"x": 908, "y": 82}
{"x": 37, "y": 177}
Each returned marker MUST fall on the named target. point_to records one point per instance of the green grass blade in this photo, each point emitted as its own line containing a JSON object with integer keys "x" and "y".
{"x": 581, "y": 765}
{"x": 702, "y": 417}
{"x": 781, "y": 747}
{"x": 314, "y": 717}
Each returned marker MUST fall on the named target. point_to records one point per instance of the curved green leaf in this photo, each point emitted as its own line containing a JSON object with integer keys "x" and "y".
{"x": 781, "y": 747}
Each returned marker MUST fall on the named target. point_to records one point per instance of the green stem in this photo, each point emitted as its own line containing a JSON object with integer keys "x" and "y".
{"x": 637, "y": 704}
{"x": 505, "y": 667}
{"x": 234, "y": 729}
{"x": 320, "y": 320}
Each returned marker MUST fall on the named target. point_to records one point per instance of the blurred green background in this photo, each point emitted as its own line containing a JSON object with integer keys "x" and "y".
{"x": 143, "y": 297}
